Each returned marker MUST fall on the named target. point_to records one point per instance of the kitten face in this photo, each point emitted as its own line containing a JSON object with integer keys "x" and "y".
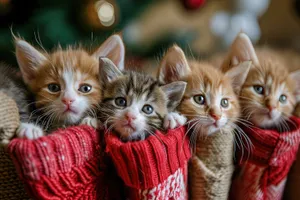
{"x": 134, "y": 104}
{"x": 209, "y": 101}
{"x": 65, "y": 83}
{"x": 268, "y": 95}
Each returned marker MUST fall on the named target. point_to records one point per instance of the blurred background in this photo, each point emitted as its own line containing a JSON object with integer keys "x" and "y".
{"x": 149, "y": 27}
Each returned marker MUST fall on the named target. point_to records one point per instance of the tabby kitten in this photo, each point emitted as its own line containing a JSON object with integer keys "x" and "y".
{"x": 64, "y": 83}
{"x": 134, "y": 104}
{"x": 268, "y": 95}
{"x": 210, "y": 102}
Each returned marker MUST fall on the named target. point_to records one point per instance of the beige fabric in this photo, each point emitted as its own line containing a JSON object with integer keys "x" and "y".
{"x": 10, "y": 185}
{"x": 9, "y": 118}
{"x": 211, "y": 167}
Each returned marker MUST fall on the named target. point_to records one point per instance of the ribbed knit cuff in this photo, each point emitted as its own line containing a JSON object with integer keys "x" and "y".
{"x": 275, "y": 149}
{"x": 145, "y": 164}
{"x": 62, "y": 165}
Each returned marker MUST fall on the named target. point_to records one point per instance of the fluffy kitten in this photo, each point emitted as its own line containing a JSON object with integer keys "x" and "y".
{"x": 210, "y": 102}
{"x": 268, "y": 95}
{"x": 134, "y": 104}
{"x": 12, "y": 85}
{"x": 65, "y": 83}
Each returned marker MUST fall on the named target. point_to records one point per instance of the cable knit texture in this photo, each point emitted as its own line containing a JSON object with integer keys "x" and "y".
{"x": 211, "y": 167}
{"x": 155, "y": 168}
{"x": 62, "y": 165}
{"x": 262, "y": 174}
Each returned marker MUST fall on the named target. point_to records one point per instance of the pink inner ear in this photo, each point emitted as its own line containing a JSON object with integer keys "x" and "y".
{"x": 171, "y": 75}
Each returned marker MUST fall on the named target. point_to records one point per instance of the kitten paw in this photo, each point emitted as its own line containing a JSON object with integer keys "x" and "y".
{"x": 29, "y": 131}
{"x": 174, "y": 120}
{"x": 90, "y": 121}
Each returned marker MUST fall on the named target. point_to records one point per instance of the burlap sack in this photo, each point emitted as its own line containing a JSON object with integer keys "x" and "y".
{"x": 211, "y": 167}
{"x": 10, "y": 185}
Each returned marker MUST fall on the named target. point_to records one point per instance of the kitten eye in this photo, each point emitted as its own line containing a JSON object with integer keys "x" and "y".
{"x": 224, "y": 103}
{"x": 120, "y": 101}
{"x": 53, "y": 87}
{"x": 258, "y": 89}
{"x": 282, "y": 98}
{"x": 85, "y": 88}
{"x": 147, "y": 109}
{"x": 199, "y": 99}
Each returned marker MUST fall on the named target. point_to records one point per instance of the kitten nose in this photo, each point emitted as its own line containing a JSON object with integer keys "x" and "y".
{"x": 130, "y": 117}
{"x": 215, "y": 116}
{"x": 67, "y": 101}
{"x": 271, "y": 108}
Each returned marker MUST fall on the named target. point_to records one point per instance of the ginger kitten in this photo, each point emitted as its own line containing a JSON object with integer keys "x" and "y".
{"x": 65, "y": 84}
{"x": 210, "y": 102}
{"x": 268, "y": 96}
{"x": 134, "y": 104}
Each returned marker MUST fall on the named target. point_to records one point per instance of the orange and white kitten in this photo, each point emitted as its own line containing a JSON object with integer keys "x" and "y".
{"x": 210, "y": 102}
{"x": 65, "y": 84}
{"x": 268, "y": 96}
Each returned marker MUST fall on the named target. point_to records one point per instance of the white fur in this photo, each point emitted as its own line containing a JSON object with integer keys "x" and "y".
{"x": 174, "y": 120}
{"x": 29, "y": 131}
{"x": 139, "y": 124}
{"x": 91, "y": 121}
{"x": 69, "y": 89}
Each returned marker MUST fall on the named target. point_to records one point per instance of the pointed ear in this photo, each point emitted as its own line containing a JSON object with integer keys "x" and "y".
{"x": 108, "y": 71}
{"x": 112, "y": 48}
{"x": 173, "y": 66}
{"x": 296, "y": 77}
{"x": 238, "y": 75}
{"x": 241, "y": 50}
{"x": 174, "y": 91}
{"x": 29, "y": 59}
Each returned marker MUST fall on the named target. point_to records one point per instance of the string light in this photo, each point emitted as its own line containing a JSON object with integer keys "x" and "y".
{"x": 106, "y": 12}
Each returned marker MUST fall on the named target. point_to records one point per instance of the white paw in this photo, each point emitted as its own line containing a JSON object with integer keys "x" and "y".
{"x": 174, "y": 120}
{"x": 90, "y": 121}
{"x": 29, "y": 131}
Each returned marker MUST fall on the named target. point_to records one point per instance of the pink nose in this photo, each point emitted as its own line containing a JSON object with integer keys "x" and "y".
{"x": 130, "y": 117}
{"x": 271, "y": 108}
{"x": 67, "y": 101}
{"x": 214, "y": 116}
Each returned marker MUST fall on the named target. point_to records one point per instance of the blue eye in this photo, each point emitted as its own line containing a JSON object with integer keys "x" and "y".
{"x": 282, "y": 98}
{"x": 258, "y": 89}
{"x": 199, "y": 99}
{"x": 85, "y": 88}
{"x": 147, "y": 109}
{"x": 120, "y": 101}
{"x": 53, "y": 87}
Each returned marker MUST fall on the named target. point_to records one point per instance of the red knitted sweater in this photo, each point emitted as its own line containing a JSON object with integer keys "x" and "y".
{"x": 67, "y": 164}
{"x": 263, "y": 173}
{"x": 155, "y": 168}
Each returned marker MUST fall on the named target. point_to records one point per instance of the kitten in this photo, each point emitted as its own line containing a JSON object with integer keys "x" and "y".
{"x": 268, "y": 96}
{"x": 12, "y": 85}
{"x": 134, "y": 104}
{"x": 210, "y": 102}
{"x": 64, "y": 83}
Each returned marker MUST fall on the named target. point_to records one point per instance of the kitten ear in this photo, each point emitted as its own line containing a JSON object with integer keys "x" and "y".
{"x": 173, "y": 66}
{"x": 29, "y": 59}
{"x": 240, "y": 51}
{"x": 108, "y": 71}
{"x": 296, "y": 77}
{"x": 238, "y": 75}
{"x": 112, "y": 48}
{"x": 174, "y": 92}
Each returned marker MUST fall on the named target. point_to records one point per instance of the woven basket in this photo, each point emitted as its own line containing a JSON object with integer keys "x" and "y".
{"x": 10, "y": 185}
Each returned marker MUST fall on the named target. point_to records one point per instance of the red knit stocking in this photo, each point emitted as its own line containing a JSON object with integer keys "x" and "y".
{"x": 155, "y": 168}
{"x": 262, "y": 175}
{"x": 67, "y": 164}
